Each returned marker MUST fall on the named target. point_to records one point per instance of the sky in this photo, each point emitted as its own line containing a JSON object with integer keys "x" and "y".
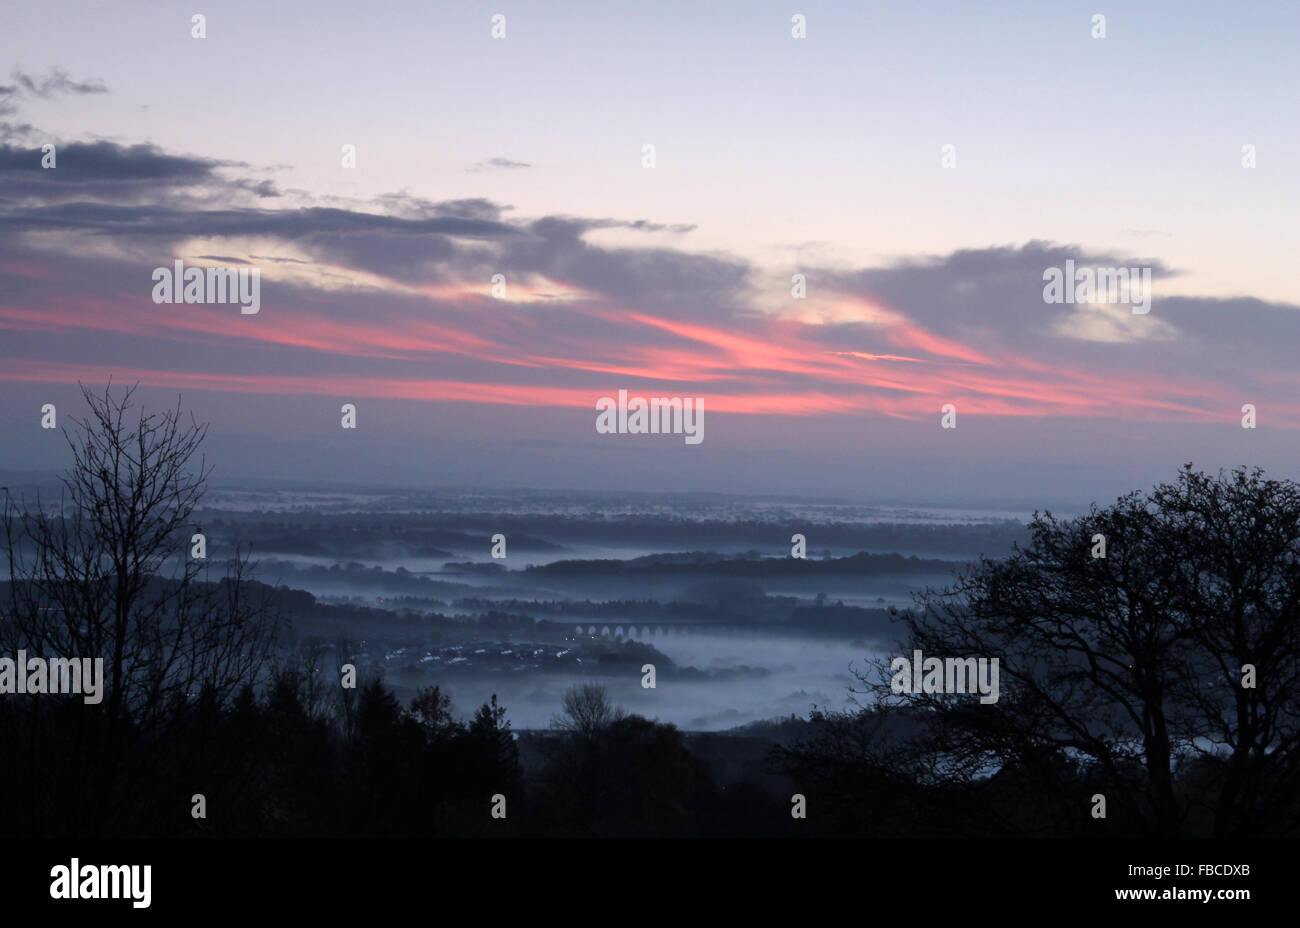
{"x": 774, "y": 156}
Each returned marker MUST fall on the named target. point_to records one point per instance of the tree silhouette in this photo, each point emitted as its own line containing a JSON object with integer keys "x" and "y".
{"x": 1125, "y": 675}
{"x": 587, "y": 711}
{"x": 104, "y": 572}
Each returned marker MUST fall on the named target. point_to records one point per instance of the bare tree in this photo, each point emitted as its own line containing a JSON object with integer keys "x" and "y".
{"x": 105, "y": 571}
{"x": 587, "y": 711}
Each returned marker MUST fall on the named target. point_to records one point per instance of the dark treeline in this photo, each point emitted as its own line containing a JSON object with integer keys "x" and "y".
{"x": 296, "y": 762}
{"x": 304, "y": 760}
{"x": 433, "y": 534}
{"x": 711, "y": 565}
{"x": 694, "y": 566}
{"x": 1149, "y": 657}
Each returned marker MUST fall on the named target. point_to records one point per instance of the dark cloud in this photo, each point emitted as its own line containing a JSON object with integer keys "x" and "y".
{"x": 105, "y": 171}
{"x": 972, "y": 291}
{"x": 275, "y": 260}
{"x": 16, "y": 132}
{"x": 638, "y": 225}
{"x": 497, "y": 163}
{"x": 410, "y": 207}
{"x": 56, "y": 81}
{"x": 144, "y": 194}
{"x": 991, "y": 300}
{"x": 642, "y": 225}
{"x": 166, "y": 222}
{"x": 669, "y": 281}
{"x": 262, "y": 188}
{"x": 106, "y": 162}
